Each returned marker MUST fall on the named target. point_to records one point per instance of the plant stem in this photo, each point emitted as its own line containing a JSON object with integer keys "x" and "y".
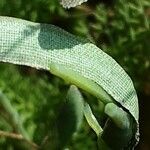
{"x": 18, "y": 137}
{"x": 13, "y": 115}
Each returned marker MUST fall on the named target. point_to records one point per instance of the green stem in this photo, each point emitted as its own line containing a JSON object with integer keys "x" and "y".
{"x": 81, "y": 82}
{"x": 13, "y": 114}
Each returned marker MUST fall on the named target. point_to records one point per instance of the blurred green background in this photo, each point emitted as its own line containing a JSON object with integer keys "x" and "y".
{"x": 119, "y": 27}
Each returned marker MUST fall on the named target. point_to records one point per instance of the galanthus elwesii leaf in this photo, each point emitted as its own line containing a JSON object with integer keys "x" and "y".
{"x": 44, "y": 46}
{"x": 71, "y": 3}
{"x": 70, "y": 115}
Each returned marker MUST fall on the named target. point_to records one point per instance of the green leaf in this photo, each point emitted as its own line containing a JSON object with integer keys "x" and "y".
{"x": 70, "y": 116}
{"x": 92, "y": 121}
